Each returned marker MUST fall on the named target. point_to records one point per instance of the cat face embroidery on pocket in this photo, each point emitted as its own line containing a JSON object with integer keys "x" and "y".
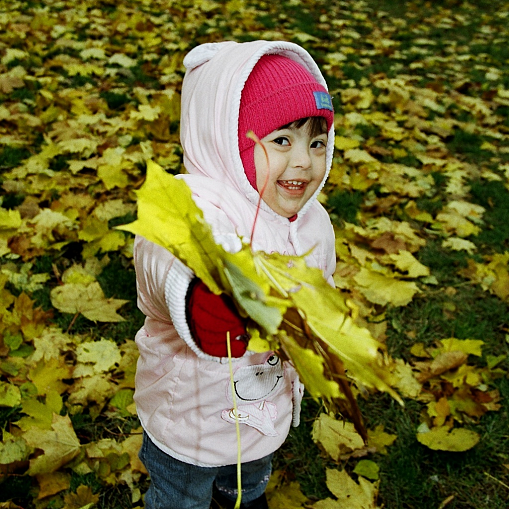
{"x": 253, "y": 385}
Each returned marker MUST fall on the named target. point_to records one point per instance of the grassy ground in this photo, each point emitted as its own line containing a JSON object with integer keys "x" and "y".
{"x": 445, "y": 48}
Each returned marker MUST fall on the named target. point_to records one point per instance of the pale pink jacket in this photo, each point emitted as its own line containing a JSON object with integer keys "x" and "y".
{"x": 182, "y": 395}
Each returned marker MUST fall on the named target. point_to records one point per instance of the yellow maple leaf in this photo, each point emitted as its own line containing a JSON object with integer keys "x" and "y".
{"x": 380, "y": 440}
{"x": 500, "y": 266}
{"x": 103, "y": 354}
{"x": 468, "y": 346}
{"x": 440, "y": 410}
{"x": 443, "y": 438}
{"x": 96, "y": 53}
{"x": 161, "y": 206}
{"x": 336, "y": 437}
{"x": 443, "y": 362}
{"x": 99, "y": 237}
{"x": 39, "y": 414}
{"x": 132, "y": 445}
{"x": 287, "y": 496}
{"x": 493, "y": 276}
{"x": 10, "y": 220}
{"x": 92, "y": 389}
{"x": 10, "y": 395}
{"x": 406, "y": 261}
{"x": 84, "y": 146}
{"x": 465, "y": 374}
{"x": 457, "y": 244}
{"x": 12, "y": 449}
{"x": 458, "y": 224}
{"x": 344, "y": 143}
{"x": 310, "y": 368}
{"x": 393, "y": 131}
{"x": 88, "y": 300}
{"x": 93, "y": 229}
{"x": 122, "y": 59}
{"x": 432, "y": 161}
{"x": 406, "y": 382}
{"x": 146, "y": 112}
{"x": 113, "y": 208}
{"x": 60, "y": 445}
{"x": 23, "y": 279}
{"x": 466, "y": 209}
{"x": 8, "y": 82}
{"x": 84, "y": 69}
{"x": 47, "y": 223}
{"x": 284, "y": 495}
{"x": 384, "y": 289}
{"x": 348, "y": 493}
{"x": 356, "y": 155}
{"x": 48, "y": 375}
{"x": 113, "y": 176}
{"x": 84, "y": 498}
{"x": 13, "y": 54}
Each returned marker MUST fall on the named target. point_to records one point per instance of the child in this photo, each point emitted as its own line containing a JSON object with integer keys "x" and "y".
{"x": 183, "y": 384}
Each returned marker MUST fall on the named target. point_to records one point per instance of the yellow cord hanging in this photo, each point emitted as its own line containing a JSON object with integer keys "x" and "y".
{"x": 237, "y": 427}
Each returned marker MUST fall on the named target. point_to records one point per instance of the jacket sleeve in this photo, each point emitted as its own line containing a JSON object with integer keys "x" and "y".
{"x": 152, "y": 264}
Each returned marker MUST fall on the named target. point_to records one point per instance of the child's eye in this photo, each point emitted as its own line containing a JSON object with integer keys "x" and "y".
{"x": 281, "y": 140}
{"x": 318, "y": 144}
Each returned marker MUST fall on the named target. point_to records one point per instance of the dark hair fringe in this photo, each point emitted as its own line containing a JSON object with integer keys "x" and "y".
{"x": 315, "y": 125}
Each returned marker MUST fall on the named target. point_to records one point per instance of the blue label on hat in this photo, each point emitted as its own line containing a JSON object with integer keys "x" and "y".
{"x": 323, "y": 101}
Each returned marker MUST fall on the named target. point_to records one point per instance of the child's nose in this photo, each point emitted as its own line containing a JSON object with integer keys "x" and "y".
{"x": 301, "y": 157}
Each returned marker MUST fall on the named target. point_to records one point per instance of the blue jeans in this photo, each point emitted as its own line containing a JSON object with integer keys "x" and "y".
{"x": 178, "y": 485}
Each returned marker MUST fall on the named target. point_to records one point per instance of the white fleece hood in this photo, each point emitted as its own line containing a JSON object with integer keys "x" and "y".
{"x": 216, "y": 74}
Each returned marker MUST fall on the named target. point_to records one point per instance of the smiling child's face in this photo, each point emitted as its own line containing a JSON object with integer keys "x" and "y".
{"x": 296, "y": 167}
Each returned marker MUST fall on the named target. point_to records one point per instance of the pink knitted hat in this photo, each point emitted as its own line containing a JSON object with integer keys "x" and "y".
{"x": 278, "y": 91}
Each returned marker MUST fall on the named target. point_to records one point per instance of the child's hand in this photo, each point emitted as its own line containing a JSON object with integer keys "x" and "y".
{"x": 210, "y": 317}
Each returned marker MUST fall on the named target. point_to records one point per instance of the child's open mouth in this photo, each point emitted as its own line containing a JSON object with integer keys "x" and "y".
{"x": 292, "y": 185}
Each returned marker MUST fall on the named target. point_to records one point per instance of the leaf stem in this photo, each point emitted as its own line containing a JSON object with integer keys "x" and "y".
{"x": 74, "y": 318}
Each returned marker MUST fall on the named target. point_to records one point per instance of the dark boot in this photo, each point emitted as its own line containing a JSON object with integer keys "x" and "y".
{"x": 225, "y": 503}
{"x": 259, "y": 503}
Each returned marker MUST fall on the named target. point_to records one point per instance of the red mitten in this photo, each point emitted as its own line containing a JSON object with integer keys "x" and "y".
{"x": 210, "y": 317}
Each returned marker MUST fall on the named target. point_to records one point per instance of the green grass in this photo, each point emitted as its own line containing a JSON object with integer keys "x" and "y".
{"x": 10, "y": 157}
{"x": 17, "y": 489}
{"x": 345, "y": 205}
{"x": 469, "y": 146}
{"x": 493, "y": 197}
{"x": 12, "y": 200}
{"x": 300, "y": 459}
{"x": 115, "y": 100}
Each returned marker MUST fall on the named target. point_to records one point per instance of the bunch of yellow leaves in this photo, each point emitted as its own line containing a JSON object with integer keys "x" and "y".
{"x": 292, "y": 307}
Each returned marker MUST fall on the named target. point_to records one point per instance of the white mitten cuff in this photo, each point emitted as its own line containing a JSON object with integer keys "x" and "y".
{"x": 175, "y": 292}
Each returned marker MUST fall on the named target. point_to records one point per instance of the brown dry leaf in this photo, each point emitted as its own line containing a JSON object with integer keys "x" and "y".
{"x": 84, "y": 498}
{"x": 8, "y": 83}
{"x": 52, "y": 483}
{"x": 443, "y": 362}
